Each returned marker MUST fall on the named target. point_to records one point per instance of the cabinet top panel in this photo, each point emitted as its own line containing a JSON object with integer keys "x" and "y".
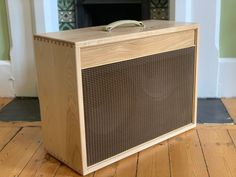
{"x": 97, "y": 35}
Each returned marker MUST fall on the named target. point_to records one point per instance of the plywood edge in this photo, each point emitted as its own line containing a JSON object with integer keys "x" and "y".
{"x": 139, "y": 148}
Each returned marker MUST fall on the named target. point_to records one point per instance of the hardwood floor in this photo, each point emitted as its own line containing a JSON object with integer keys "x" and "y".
{"x": 230, "y": 104}
{"x": 207, "y": 151}
{"x": 4, "y": 101}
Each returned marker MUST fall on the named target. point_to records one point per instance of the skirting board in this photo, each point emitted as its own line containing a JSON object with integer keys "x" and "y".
{"x": 227, "y": 77}
{"x": 6, "y": 79}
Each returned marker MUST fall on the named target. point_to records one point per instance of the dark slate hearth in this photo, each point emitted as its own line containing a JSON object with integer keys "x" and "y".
{"x": 21, "y": 109}
{"x": 212, "y": 110}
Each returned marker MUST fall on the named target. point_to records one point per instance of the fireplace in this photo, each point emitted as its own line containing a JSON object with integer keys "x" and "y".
{"x": 82, "y": 13}
{"x": 101, "y": 12}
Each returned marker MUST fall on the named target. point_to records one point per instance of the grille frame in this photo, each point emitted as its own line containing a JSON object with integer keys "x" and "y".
{"x": 185, "y": 56}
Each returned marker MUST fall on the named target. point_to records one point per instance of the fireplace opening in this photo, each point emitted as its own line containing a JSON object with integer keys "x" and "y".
{"x": 83, "y": 13}
{"x": 94, "y": 13}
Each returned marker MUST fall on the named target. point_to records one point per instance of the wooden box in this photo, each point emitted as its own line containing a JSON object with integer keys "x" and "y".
{"x": 107, "y": 95}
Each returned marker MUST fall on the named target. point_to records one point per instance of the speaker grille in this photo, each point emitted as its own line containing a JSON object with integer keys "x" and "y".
{"x": 131, "y": 102}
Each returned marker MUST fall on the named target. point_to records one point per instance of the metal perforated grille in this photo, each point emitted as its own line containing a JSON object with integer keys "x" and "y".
{"x": 131, "y": 102}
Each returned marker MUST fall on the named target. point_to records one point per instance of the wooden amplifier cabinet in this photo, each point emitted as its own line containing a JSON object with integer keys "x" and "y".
{"x": 107, "y": 95}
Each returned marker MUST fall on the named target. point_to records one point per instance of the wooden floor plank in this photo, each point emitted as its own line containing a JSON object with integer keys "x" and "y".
{"x": 34, "y": 163}
{"x": 4, "y": 101}
{"x": 154, "y": 161}
{"x": 20, "y": 124}
{"x": 41, "y": 164}
{"x": 23, "y": 154}
{"x": 186, "y": 156}
{"x": 216, "y": 127}
{"x": 17, "y": 153}
{"x": 109, "y": 171}
{"x": 6, "y": 134}
{"x": 219, "y": 152}
{"x": 65, "y": 171}
{"x": 127, "y": 167}
{"x": 232, "y": 134}
{"x": 230, "y": 104}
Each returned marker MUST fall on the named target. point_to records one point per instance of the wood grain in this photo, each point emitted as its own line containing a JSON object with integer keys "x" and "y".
{"x": 186, "y": 146}
{"x": 20, "y": 124}
{"x": 219, "y": 152}
{"x": 6, "y": 134}
{"x": 195, "y": 92}
{"x": 25, "y": 156}
{"x": 127, "y": 167}
{"x": 34, "y": 163}
{"x": 131, "y": 49}
{"x": 85, "y": 37}
{"x": 17, "y": 153}
{"x": 41, "y": 164}
{"x": 230, "y": 104}
{"x": 60, "y": 58}
{"x": 58, "y": 94}
{"x": 124, "y": 168}
{"x": 232, "y": 134}
{"x": 216, "y": 127}
{"x": 4, "y": 101}
{"x": 108, "y": 171}
{"x": 65, "y": 171}
{"x": 154, "y": 161}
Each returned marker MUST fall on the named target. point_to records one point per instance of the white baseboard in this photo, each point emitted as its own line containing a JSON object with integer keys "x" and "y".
{"x": 227, "y": 77}
{"x": 6, "y": 79}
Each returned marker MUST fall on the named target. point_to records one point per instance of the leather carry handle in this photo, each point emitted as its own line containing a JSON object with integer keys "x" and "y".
{"x": 113, "y": 25}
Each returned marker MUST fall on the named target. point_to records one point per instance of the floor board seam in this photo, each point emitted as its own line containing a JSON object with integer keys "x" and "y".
{"x": 5, "y": 104}
{"x": 57, "y": 168}
{"x": 204, "y": 158}
{"x": 55, "y": 173}
{"x": 30, "y": 160}
{"x": 170, "y": 167}
{"x": 136, "y": 171}
{"x": 231, "y": 138}
{"x": 11, "y": 138}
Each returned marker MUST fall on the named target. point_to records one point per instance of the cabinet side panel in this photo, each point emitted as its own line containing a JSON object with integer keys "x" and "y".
{"x": 58, "y": 95}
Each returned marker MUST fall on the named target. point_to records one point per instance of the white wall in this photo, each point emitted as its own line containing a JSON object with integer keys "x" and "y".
{"x": 25, "y": 18}
{"x": 206, "y": 14}
{"x": 22, "y": 54}
{"x": 6, "y": 86}
{"x": 227, "y": 77}
{"x": 46, "y": 16}
{"x": 216, "y": 77}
